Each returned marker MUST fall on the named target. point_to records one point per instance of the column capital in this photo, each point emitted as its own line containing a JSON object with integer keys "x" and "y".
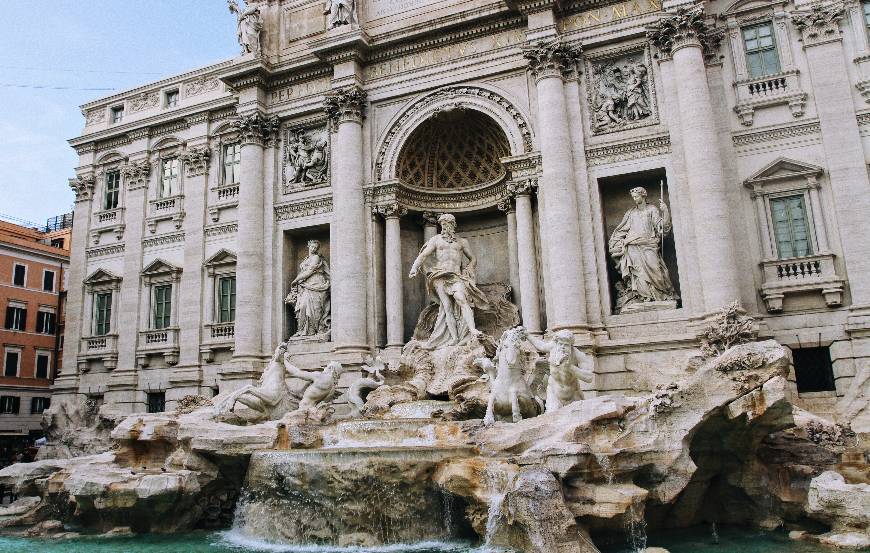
{"x": 345, "y": 105}
{"x": 136, "y": 173}
{"x": 393, "y": 210}
{"x": 684, "y": 27}
{"x": 524, "y": 187}
{"x": 83, "y": 186}
{"x": 506, "y": 204}
{"x": 256, "y": 128}
{"x": 196, "y": 160}
{"x": 430, "y": 218}
{"x": 820, "y": 24}
{"x": 552, "y": 58}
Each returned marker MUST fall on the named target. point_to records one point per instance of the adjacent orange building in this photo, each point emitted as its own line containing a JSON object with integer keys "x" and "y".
{"x": 33, "y": 268}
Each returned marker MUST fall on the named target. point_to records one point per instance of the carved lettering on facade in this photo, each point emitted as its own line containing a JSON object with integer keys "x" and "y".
{"x": 610, "y": 14}
{"x": 299, "y": 90}
{"x": 442, "y": 54}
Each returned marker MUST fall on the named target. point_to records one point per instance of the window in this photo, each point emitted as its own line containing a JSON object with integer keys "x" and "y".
{"x": 761, "y": 55}
{"x": 48, "y": 281}
{"x": 43, "y": 360}
{"x": 16, "y": 317}
{"x": 117, "y": 114}
{"x": 9, "y": 405}
{"x": 19, "y": 274}
{"x": 226, "y": 299}
{"x": 45, "y": 322}
{"x": 156, "y": 402}
{"x": 232, "y": 159}
{"x": 813, "y": 369}
{"x": 162, "y": 305}
{"x": 790, "y": 226}
{"x": 169, "y": 178}
{"x": 39, "y": 404}
{"x": 113, "y": 186}
{"x": 102, "y": 313}
{"x": 11, "y": 362}
{"x": 57, "y": 243}
{"x": 171, "y": 98}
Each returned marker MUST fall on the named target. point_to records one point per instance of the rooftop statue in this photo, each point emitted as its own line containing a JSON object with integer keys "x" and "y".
{"x": 450, "y": 284}
{"x": 340, "y": 12}
{"x": 249, "y": 26}
{"x": 635, "y": 245}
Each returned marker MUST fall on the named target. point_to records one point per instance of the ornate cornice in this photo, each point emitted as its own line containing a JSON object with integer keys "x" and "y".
{"x": 623, "y": 151}
{"x": 391, "y": 210}
{"x": 136, "y": 174}
{"x": 552, "y": 58}
{"x": 83, "y": 186}
{"x": 820, "y": 24}
{"x": 345, "y": 105}
{"x": 685, "y": 27}
{"x": 306, "y": 208}
{"x": 104, "y": 251}
{"x": 523, "y": 187}
{"x": 196, "y": 161}
{"x": 218, "y": 230}
{"x": 256, "y": 128}
{"x": 429, "y": 218}
{"x": 470, "y": 199}
{"x": 163, "y": 240}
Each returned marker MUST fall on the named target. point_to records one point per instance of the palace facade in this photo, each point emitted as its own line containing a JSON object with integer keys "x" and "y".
{"x": 199, "y": 197}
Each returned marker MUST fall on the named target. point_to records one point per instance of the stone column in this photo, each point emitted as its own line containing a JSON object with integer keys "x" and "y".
{"x": 685, "y": 36}
{"x": 395, "y": 304}
{"x": 507, "y": 206}
{"x": 348, "y": 233}
{"x": 430, "y": 225}
{"x": 255, "y": 129}
{"x": 526, "y": 255}
{"x": 559, "y": 217}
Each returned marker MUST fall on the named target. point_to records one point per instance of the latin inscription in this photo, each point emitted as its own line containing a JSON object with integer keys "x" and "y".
{"x": 383, "y": 8}
{"x": 443, "y": 54}
{"x": 300, "y": 90}
{"x": 610, "y": 14}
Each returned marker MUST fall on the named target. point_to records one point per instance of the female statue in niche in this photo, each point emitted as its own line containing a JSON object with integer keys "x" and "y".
{"x": 635, "y": 245}
{"x": 309, "y": 294}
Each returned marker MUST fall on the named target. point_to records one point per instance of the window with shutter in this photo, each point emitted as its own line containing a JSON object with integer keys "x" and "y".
{"x": 19, "y": 275}
{"x": 162, "y": 305}
{"x": 11, "y": 362}
{"x": 227, "y": 300}
{"x": 45, "y": 322}
{"x": 42, "y": 362}
{"x": 102, "y": 313}
{"x": 762, "y": 57}
{"x": 16, "y": 318}
{"x": 48, "y": 281}
{"x": 790, "y": 226}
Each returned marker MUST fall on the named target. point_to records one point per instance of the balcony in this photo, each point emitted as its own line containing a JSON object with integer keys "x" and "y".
{"x": 93, "y": 348}
{"x": 770, "y": 90}
{"x": 108, "y": 221}
{"x": 162, "y": 209}
{"x": 218, "y": 336}
{"x": 227, "y": 197}
{"x": 814, "y": 273}
{"x": 162, "y": 341}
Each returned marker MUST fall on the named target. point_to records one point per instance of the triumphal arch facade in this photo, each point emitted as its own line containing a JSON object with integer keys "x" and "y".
{"x": 621, "y": 170}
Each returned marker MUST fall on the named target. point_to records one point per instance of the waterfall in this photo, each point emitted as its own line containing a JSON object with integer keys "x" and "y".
{"x": 498, "y": 484}
{"x": 635, "y": 528}
{"x": 606, "y": 466}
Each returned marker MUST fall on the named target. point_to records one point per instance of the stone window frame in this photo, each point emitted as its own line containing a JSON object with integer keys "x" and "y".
{"x": 102, "y": 281}
{"x": 108, "y": 220}
{"x": 17, "y": 304}
{"x": 156, "y": 273}
{"x": 53, "y": 280}
{"x": 217, "y": 335}
{"x": 116, "y": 114}
{"x": 612, "y": 53}
{"x": 166, "y": 207}
{"x": 766, "y": 90}
{"x": 7, "y": 348}
{"x": 166, "y": 97}
{"x": 54, "y": 322}
{"x": 45, "y": 353}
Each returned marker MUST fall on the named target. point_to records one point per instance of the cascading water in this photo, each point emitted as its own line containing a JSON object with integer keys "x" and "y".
{"x": 635, "y": 528}
{"x": 498, "y": 483}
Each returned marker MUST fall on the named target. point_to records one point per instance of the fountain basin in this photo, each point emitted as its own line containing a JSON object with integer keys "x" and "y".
{"x": 393, "y": 433}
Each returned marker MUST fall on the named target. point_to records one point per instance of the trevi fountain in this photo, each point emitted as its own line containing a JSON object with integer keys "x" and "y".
{"x": 547, "y": 365}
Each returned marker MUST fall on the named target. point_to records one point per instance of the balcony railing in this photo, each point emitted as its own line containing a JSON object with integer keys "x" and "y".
{"x": 812, "y": 273}
{"x": 227, "y": 193}
{"x": 158, "y": 341}
{"x": 161, "y": 209}
{"x": 769, "y": 90}
{"x": 94, "y": 348}
{"x": 220, "y": 336}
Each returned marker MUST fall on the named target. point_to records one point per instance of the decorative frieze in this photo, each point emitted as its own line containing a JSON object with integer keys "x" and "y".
{"x": 305, "y": 157}
{"x": 95, "y": 116}
{"x": 345, "y": 104}
{"x": 200, "y": 85}
{"x": 105, "y": 251}
{"x": 83, "y": 186}
{"x": 820, "y": 24}
{"x": 256, "y": 128}
{"x": 112, "y": 143}
{"x": 685, "y": 27}
{"x": 195, "y": 161}
{"x": 305, "y": 208}
{"x": 219, "y": 230}
{"x": 620, "y": 89}
{"x": 136, "y": 173}
{"x": 390, "y": 210}
{"x": 163, "y": 240}
{"x": 143, "y": 101}
{"x": 551, "y": 58}
{"x": 776, "y": 134}
{"x": 624, "y": 151}
{"x": 170, "y": 128}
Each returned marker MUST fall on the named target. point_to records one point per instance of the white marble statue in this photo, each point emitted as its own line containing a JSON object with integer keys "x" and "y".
{"x": 340, "y": 12}
{"x": 371, "y": 379}
{"x": 450, "y": 284}
{"x": 321, "y": 384}
{"x": 268, "y": 397}
{"x": 510, "y": 394}
{"x": 248, "y": 27}
{"x": 309, "y": 294}
{"x": 635, "y": 245}
{"x": 568, "y": 366}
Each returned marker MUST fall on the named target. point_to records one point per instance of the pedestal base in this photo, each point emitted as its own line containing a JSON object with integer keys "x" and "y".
{"x": 640, "y": 307}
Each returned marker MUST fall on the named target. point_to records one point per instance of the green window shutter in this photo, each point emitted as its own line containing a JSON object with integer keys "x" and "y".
{"x": 162, "y": 305}
{"x": 790, "y": 227}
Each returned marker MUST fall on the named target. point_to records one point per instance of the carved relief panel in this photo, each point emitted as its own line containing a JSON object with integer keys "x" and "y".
{"x": 620, "y": 89}
{"x": 305, "y": 157}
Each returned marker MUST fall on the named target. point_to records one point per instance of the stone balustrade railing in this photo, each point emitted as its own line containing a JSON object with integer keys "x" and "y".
{"x": 812, "y": 273}
{"x": 769, "y": 90}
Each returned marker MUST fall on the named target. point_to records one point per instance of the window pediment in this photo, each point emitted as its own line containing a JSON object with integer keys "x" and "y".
{"x": 742, "y": 8}
{"x": 102, "y": 276}
{"x": 221, "y": 257}
{"x": 159, "y": 267}
{"x": 784, "y": 169}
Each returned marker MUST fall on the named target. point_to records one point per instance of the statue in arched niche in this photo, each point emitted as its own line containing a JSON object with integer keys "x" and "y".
{"x": 309, "y": 294}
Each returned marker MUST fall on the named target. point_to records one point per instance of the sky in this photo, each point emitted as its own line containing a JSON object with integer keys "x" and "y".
{"x": 85, "y": 44}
